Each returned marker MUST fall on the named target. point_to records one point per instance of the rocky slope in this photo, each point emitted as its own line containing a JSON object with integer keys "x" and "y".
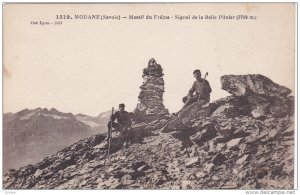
{"x": 220, "y": 145}
{"x": 31, "y": 135}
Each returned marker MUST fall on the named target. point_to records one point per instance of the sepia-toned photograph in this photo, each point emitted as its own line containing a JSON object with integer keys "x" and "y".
{"x": 149, "y": 96}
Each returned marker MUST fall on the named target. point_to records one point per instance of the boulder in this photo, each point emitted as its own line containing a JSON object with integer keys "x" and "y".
{"x": 227, "y": 110}
{"x": 240, "y": 104}
{"x": 218, "y": 159}
{"x": 279, "y": 107}
{"x": 260, "y": 93}
{"x": 275, "y": 106}
{"x": 242, "y": 159}
{"x": 184, "y": 117}
{"x": 205, "y": 135}
{"x": 233, "y": 142}
{"x": 261, "y": 111}
{"x": 240, "y": 85}
{"x": 192, "y": 161}
{"x": 208, "y": 168}
{"x": 137, "y": 165}
{"x": 64, "y": 163}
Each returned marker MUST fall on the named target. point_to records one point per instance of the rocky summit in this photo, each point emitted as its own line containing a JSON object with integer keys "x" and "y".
{"x": 218, "y": 145}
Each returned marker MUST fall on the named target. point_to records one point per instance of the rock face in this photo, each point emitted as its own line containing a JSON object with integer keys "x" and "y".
{"x": 150, "y": 106}
{"x": 253, "y": 95}
{"x": 263, "y": 95}
{"x": 240, "y": 85}
{"x": 218, "y": 145}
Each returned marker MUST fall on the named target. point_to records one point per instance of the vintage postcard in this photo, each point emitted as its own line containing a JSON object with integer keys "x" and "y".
{"x": 149, "y": 96}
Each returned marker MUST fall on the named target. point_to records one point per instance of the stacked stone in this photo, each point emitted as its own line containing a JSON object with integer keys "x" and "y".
{"x": 150, "y": 106}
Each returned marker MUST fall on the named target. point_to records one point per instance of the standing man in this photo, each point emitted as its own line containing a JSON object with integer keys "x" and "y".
{"x": 200, "y": 90}
{"x": 123, "y": 122}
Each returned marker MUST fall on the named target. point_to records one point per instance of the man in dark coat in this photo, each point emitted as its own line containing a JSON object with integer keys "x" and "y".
{"x": 123, "y": 122}
{"x": 200, "y": 90}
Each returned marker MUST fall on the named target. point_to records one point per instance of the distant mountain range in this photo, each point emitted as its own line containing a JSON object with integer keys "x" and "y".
{"x": 30, "y": 135}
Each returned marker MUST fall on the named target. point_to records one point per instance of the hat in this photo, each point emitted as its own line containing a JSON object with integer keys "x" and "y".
{"x": 197, "y": 71}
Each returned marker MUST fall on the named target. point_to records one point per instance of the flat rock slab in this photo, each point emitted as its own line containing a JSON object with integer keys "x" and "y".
{"x": 233, "y": 142}
{"x": 192, "y": 161}
{"x": 242, "y": 159}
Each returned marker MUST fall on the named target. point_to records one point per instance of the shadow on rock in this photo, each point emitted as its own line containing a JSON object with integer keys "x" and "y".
{"x": 135, "y": 136}
{"x": 184, "y": 137}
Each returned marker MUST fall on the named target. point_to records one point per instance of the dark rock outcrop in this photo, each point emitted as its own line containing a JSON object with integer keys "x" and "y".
{"x": 254, "y": 95}
{"x": 262, "y": 94}
{"x": 240, "y": 85}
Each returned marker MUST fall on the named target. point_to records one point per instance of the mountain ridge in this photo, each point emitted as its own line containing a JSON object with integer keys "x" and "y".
{"x": 42, "y": 131}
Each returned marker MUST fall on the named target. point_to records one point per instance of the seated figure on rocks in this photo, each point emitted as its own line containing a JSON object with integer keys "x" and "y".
{"x": 201, "y": 88}
{"x": 123, "y": 122}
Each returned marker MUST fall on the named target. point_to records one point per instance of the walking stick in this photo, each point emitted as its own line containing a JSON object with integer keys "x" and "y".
{"x": 206, "y": 74}
{"x": 109, "y": 133}
{"x": 182, "y": 111}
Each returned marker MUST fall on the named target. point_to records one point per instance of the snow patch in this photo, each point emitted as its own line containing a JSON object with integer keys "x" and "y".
{"x": 90, "y": 123}
{"x": 28, "y": 116}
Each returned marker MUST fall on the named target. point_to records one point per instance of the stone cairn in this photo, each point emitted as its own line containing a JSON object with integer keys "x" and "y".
{"x": 150, "y": 106}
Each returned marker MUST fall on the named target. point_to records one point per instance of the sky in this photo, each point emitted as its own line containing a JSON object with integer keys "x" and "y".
{"x": 89, "y": 66}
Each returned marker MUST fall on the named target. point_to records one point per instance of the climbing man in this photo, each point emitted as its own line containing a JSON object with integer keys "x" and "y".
{"x": 201, "y": 88}
{"x": 123, "y": 122}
